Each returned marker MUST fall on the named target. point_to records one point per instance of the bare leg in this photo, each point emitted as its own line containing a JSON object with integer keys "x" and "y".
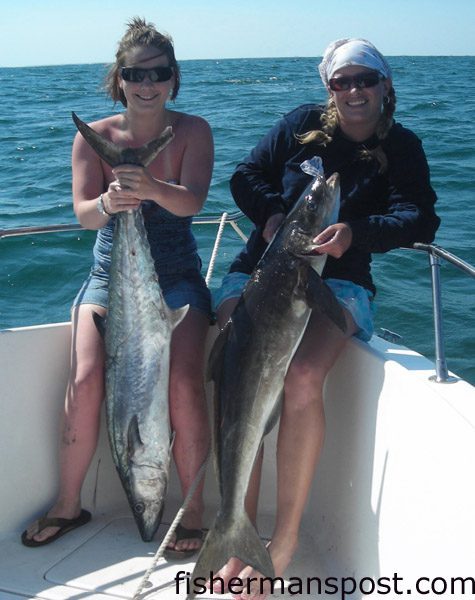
{"x": 81, "y": 419}
{"x": 189, "y": 415}
{"x": 301, "y": 434}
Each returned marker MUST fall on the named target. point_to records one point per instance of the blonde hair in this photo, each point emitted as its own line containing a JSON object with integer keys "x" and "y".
{"x": 140, "y": 33}
{"x": 329, "y": 120}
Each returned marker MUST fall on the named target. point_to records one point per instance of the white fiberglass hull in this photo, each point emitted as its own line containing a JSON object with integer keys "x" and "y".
{"x": 392, "y": 500}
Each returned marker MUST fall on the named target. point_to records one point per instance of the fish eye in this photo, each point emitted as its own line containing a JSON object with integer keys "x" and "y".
{"x": 311, "y": 203}
{"x": 139, "y": 508}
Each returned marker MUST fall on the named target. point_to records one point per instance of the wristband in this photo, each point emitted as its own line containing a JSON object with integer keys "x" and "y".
{"x": 101, "y": 206}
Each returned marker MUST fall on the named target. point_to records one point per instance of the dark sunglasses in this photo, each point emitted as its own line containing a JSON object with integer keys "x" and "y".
{"x": 137, "y": 75}
{"x": 360, "y": 81}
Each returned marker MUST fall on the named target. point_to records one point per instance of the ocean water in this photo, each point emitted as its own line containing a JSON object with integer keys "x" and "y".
{"x": 241, "y": 99}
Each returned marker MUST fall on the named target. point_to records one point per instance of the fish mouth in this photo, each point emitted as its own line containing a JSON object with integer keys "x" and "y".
{"x": 148, "y": 523}
{"x": 147, "y": 502}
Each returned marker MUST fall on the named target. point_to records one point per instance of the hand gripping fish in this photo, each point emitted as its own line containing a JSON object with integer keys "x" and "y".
{"x": 249, "y": 361}
{"x": 138, "y": 331}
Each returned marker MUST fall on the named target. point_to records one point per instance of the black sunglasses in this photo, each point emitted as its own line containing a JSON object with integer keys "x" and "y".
{"x": 359, "y": 80}
{"x": 155, "y": 74}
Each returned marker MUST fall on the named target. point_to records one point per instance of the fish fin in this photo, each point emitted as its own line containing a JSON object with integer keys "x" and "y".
{"x": 177, "y": 315}
{"x": 213, "y": 373}
{"x": 100, "y": 323}
{"x": 146, "y": 153}
{"x": 115, "y": 155}
{"x": 134, "y": 440}
{"x": 239, "y": 539}
{"x": 172, "y": 442}
{"x": 333, "y": 183}
{"x": 321, "y": 299}
{"x": 317, "y": 262}
{"x": 275, "y": 414}
{"x": 216, "y": 355}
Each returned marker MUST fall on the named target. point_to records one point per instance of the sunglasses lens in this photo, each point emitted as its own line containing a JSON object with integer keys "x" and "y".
{"x": 132, "y": 74}
{"x": 160, "y": 74}
{"x": 369, "y": 80}
{"x": 339, "y": 84}
{"x": 361, "y": 80}
{"x": 156, "y": 74}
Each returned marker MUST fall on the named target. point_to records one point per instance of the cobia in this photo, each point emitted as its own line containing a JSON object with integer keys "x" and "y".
{"x": 249, "y": 361}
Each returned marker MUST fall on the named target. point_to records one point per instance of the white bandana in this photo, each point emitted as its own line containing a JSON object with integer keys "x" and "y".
{"x": 352, "y": 51}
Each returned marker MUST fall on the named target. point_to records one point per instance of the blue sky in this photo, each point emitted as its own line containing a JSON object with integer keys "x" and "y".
{"x": 47, "y": 32}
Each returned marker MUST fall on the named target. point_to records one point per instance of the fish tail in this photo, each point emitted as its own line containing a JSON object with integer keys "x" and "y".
{"x": 177, "y": 315}
{"x": 237, "y": 539}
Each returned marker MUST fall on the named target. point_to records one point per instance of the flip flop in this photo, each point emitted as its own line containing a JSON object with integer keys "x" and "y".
{"x": 183, "y": 533}
{"x": 65, "y": 525}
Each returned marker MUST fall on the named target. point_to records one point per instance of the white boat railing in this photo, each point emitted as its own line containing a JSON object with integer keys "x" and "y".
{"x": 436, "y": 255}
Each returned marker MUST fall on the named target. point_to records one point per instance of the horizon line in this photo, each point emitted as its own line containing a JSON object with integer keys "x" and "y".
{"x": 183, "y": 60}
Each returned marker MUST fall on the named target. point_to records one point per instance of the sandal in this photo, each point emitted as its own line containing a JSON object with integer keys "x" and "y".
{"x": 65, "y": 525}
{"x": 183, "y": 533}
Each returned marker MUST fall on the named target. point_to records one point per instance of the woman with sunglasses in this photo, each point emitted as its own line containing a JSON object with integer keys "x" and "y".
{"x": 386, "y": 201}
{"x": 170, "y": 191}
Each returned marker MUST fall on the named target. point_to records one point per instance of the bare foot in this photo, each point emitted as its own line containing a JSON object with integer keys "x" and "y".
{"x": 222, "y": 578}
{"x": 255, "y": 587}
{"x": 59, "y": 510}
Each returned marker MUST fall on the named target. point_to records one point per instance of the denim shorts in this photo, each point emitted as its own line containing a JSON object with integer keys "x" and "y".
{"x": 179, "y": 289}
{"x": 357, "y": 300}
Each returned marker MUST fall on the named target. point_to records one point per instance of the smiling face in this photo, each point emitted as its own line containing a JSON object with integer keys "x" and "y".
{"x": 359, "y": 108}
{"x": 146, "y": 94}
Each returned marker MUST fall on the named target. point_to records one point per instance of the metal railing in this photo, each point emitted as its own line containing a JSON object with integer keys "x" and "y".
{"x": 436, "y": 255}
{"x": 198, "y": 220}
{"x": 220, "y": 220}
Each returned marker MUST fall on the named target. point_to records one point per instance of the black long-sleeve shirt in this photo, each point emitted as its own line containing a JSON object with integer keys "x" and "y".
{"x": 384, "y": 211}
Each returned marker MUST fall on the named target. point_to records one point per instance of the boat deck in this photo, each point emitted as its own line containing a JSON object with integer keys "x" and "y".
{"x": 106, "y": 560}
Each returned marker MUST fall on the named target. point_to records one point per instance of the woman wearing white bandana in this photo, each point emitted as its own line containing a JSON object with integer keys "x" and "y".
{"x": 386, "y": 202}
